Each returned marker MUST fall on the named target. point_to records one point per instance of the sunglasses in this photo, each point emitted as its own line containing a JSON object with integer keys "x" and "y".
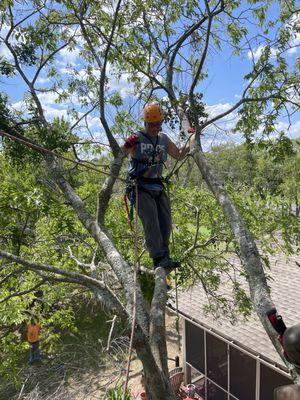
{"x": 154, "y": 124}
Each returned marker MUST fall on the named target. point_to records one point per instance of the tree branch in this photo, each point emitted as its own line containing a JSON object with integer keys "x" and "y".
{"x": 104, "y": 293}
{"x": 22, "y": 293}
{"x": 202, "y": 60}
{"x": 157, "y": 320}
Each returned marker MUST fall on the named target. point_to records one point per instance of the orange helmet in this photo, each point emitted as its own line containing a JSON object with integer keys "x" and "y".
{"x": 153, "y": 113}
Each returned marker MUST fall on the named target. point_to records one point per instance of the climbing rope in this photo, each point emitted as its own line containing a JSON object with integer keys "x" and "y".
{"x": 176, "y": 280}
{"x": 40, "y": 149}
{"x": 43, "y": 150}
{"x": 175, "y": 170}
{"x": 135, "y": 270}
{"x": 166, "y": 180}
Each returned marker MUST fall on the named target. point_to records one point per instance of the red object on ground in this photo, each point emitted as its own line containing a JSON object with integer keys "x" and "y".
{"x": 191, "y": 130}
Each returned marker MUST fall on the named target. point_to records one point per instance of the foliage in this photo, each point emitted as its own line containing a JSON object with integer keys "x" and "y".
{"x": 117, "y": 393}
{"x": 160, "y": 49}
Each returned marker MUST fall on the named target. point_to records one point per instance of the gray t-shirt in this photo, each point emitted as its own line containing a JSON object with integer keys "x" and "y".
{"x": 150, "y": 156}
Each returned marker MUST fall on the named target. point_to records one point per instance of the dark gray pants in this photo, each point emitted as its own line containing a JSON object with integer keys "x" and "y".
{"x": 155, "y": 213}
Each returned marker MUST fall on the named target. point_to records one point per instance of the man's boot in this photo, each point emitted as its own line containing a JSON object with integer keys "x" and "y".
{"x": 167, "y": 263}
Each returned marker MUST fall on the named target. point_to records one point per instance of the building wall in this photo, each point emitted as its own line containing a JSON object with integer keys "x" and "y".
{"x": 225, "y": 369}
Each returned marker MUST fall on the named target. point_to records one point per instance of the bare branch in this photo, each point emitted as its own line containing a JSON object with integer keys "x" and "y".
{"x": 110, "y": 332}
{"x": 47, "y": 59}
{"x": 239, "y": 103}
{"x": 201, "y": 63}
{"x": 114, "y": 145}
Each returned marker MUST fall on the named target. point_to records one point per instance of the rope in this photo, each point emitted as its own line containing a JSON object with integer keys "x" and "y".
{"x": 174, "y": 170}
{"x": 40, "y": 149}
{"x": 136, "y": 261}
{"x": 127, "y": 212}
{"x": 176, "y": 287}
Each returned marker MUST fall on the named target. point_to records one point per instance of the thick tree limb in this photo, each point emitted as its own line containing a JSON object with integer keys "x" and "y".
{"x": 259, "y": 290}
{"x": 157, "y": 321}
{"x": 158, "y": 387}
{"x": 121, "y": 269}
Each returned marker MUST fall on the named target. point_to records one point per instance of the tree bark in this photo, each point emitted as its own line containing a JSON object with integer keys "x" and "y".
{"x": 259, "y": 290}
{"x": 157, "y": 321}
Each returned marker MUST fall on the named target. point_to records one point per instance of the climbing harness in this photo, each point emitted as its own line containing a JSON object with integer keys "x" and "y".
{"x": 139, "y": 167}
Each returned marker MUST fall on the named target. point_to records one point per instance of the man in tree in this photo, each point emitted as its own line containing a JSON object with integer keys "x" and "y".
{"x": 148, "y": 151}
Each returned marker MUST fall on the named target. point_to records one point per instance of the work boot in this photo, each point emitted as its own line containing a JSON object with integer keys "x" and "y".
{"x": 168, "y": 264}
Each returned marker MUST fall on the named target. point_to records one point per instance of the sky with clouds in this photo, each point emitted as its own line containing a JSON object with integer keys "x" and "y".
{"x": 221, "y": 89}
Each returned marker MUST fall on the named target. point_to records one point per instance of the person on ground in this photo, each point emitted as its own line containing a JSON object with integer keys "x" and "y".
{"x": 148, "y": 150}
{"x": 33, "y": 329}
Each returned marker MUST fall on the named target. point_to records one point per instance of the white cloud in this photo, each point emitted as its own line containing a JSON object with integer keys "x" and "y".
{"x": 69, "y": 56}
{"x": 93, "y": 122}
{"x": 4, "y": 29}
{"x": 5, "y": 53}
{"x": 293, "y": 130}
{"x": 217, "y": 109}
{"x": 20, "y": 106}
{"x": 42, "y": 80}
{"x": 255, "y": 54}
{"x": 48, "y": 98}
{"x": 294, "y": 25}
{"x": 52, "y": 112}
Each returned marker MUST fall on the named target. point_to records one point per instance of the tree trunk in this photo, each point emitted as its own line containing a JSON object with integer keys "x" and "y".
{"x": 157, "y": 384}
{"x": 259, "y": 290}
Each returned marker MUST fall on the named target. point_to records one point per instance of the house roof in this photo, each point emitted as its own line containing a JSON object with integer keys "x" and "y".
{"x": 285, "y": 291}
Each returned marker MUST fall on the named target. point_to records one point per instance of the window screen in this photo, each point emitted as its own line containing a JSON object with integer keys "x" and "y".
{"x": 269, "y": 380}
{"x": 217, "y": 365}
{"x": 194, "y": 338}
{"x": 242, "y": 375}
{"x": 215, "y": 393}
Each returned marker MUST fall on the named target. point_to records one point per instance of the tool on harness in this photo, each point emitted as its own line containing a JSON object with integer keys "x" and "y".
{"x": 130, "y": 194}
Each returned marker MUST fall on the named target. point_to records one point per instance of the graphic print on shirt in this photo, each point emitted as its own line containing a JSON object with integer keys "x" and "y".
{"x": 152, "y": 154}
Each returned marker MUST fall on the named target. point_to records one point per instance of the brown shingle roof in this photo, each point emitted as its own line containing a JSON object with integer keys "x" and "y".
{"x": 285, "y": 292}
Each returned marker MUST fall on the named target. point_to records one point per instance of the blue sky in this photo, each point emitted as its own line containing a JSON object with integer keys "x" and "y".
{"x": 221, "y": 89}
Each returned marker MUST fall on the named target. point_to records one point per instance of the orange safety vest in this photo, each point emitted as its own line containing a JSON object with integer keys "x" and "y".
{"x": 33, "y": 332}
